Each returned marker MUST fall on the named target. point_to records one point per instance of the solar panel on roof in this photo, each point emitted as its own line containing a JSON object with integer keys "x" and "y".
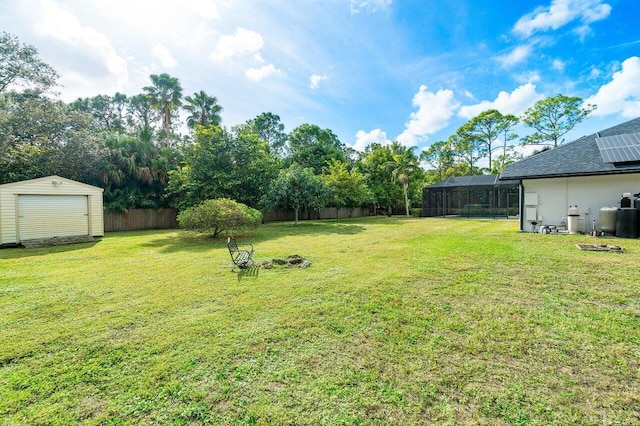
{"x": 620, "y": 148}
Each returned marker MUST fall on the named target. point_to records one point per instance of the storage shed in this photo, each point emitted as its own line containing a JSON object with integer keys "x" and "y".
{"x": 49, "y": 207}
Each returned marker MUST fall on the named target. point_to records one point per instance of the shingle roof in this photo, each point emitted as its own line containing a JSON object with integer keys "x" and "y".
{"x": 578, "y": 158}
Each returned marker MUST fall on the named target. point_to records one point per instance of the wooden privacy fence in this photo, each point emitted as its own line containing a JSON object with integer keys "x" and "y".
{"x": 137, "y": 219}
{"x": 304, "y": 214}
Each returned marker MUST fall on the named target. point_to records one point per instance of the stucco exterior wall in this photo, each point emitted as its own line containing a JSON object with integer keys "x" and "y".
{"x": 589, "y": 193}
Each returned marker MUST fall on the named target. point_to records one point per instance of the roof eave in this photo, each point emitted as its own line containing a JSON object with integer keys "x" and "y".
{"x": 559, "y": 175}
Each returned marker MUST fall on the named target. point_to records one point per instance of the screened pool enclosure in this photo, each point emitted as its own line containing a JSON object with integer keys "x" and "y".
{"x": 483, "y": 195}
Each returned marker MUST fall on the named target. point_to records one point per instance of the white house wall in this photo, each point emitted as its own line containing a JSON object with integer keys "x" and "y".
{"x": 9, "y": 194}
{"x": 589, "y": 193}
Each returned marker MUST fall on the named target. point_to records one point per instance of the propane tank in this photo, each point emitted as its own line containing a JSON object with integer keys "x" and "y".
{"x": 625, "y": 202}
{"x": 608, "y": 219}
{"x": 573, "y": 219}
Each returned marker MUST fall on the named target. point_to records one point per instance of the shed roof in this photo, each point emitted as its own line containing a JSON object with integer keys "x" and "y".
{"x": 50, "y": 178}
{"x": 577, "y": 158}
{"x": 479, "y": 180}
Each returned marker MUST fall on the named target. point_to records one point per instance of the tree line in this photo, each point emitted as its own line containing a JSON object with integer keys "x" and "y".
{"x": 133, "y": 147}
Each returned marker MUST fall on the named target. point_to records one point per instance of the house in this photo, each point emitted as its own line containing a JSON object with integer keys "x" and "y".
{"x": 49, "y": 207}
{"x": 592, "y": 173}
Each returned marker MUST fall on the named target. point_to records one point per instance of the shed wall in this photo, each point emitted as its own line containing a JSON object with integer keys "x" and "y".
{"x": 9, "y": 194}
{"x": 589, "y": 193}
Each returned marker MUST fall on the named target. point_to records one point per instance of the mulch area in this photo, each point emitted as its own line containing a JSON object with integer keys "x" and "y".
{"x": 293, "y": 261}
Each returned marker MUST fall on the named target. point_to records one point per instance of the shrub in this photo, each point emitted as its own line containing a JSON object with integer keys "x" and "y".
{"x": 219, "y": 217}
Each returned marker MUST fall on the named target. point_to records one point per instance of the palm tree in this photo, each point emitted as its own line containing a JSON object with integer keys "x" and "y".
{"x": 405, "y": 163}
{"x": 165, "y": 95}
{"x": 203, "y": 109}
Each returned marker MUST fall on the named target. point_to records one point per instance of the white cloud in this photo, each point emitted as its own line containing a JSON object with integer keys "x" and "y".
{"x": 514, "y": 103}
{"x": 369, "y": 6}
{"x": 139, "y": 21}
{"x": 561, "y": 13}
{"x": 103, "y": 71}
{"x": 242, "y": 42}
{"x": 363, "y": 139}
{"x": 558, "y": 65}
{"x": 622, "y": 94}
{"x": 582, "y": 31}
{"x": 259, "y": 74}
{"x": 594, "y": 73}
{"x": 204, "y": 8}
{"x": 528, "y": 77}
{"x": 315, "y": 79}
{"x": 164, "y": 56}
{"x": 434, "y": 112}
{"x": 517, "y": 55}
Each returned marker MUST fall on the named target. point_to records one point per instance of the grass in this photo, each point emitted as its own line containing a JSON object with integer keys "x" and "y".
{"x": 398, "y": 321}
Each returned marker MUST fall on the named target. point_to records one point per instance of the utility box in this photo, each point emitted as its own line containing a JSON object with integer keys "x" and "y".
{"x": 530, "y": 199}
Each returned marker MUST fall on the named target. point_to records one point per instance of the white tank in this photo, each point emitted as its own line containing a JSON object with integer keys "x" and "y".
{"x": 573, "y": 220}
{"x": 608, "y": 219}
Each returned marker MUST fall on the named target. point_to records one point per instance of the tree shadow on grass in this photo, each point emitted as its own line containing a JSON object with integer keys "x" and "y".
{"x": 316, "y": 228}
{"x": 197, "y": 243}
{"x": 345, "y": 226}
{"x": 185, "y": 241}
{"x": 21, "y": 252}
{"x": 172, "y": 240}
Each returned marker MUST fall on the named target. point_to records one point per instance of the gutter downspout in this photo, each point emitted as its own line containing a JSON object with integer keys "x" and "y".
{"x": 521, "y": 206}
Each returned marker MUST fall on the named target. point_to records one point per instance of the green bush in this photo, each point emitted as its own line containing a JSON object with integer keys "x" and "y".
{"x": 219, "y": 217}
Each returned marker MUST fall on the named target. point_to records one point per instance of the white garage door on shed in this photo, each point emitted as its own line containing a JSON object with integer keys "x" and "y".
{"x": 47, "y": 216}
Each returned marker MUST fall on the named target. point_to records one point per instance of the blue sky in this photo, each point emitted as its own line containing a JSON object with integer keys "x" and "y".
{"x": 370, "y": 70}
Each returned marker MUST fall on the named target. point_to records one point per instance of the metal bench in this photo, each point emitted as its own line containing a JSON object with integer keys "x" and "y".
{"x": 240, "y": 258}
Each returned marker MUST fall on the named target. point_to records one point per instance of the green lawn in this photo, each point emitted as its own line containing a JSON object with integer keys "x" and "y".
{"x": 398, "y": 321}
